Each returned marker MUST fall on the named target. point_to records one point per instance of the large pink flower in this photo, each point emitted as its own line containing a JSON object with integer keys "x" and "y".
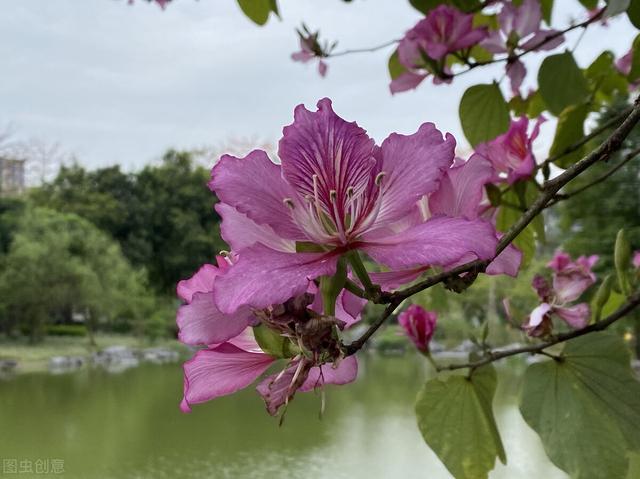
{"x": 333, "y": 192}
{"x": 233, "y": 360}
{"x": 519, "y": 30}
{"x": 511, "y": 154}
{"x": 570, "y": 280}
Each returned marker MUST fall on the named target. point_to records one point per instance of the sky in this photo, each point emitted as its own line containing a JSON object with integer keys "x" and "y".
{"x": 119, "y": 84}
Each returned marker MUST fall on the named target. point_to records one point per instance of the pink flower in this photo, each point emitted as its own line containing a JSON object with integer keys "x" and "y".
{"x": 636, "y": 259}
{"x": 232, "y": 359}
{"x": 307, "y": 54}
{"x": 336, "y": 191}
{"x": 519, "y": 30}
{"x": 419, "y": 325}
{"x": 445, "y": 30}
{"x": 511, "y": 154}
{"x": 570, "y": 280}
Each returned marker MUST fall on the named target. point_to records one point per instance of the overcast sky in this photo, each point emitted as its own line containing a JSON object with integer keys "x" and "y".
{"x": 115, "y": 83}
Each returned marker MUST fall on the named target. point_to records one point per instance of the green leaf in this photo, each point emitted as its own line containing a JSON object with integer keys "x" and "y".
{"x": 634, "y": 74}
{"x": 456, "y": 420}
{"x": 561, "y": 82}
{"x": 547, "y": 9}
{"x": 605, "y": 79}
{"x": 508, "y": 214}
{"x": 633, "y": 12}
{"x": 601, "y": 297}
{"x": 258, "y": 10}
{"x": 395, "y": 67}
{"x": 589, "y": 4}
{"x": 569, "y": 130}
{"x": 536, "y": 105}
{"x": 622, "y": 259}
{"x": 586, "y": 407}
{"x": 483, "y": 113}
{"x": 613, "y": 303}
{"x": 464, "y": 5}
{"x": 272, "y": 343}
{"x": 615, "y": 7}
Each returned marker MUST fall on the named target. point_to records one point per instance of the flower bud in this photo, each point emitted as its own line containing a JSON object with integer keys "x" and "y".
{"x": 419, "y": 325}
{"x": 622, "y": 257}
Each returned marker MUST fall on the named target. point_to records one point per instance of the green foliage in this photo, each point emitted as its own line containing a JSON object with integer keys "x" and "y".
{"x": 561, "y": 82}
{"x": 622, "y": 260}
{"x": 147, "y": 212}
{"x": 456, "y": 419}
{"x": 605, "y": 80}
{"x": 633, "y": 12}
{"x": 425, "y": 6}
{"x": 258, "y": 10}
{"x": 601, "y": 297}
{"x": 570, "y": 130}
{"x": 615, "y": 7}
{"x": 585, "y": 407}
{"x": 59, "y": 264}
{"x": 395, "y": 67}
{"x": 634, "y": 74}
{"x": 67, "y": 330}
{"x": 274, "y": 344}
{"x": 483, "y": 113}
{"x": 547, "y": 10}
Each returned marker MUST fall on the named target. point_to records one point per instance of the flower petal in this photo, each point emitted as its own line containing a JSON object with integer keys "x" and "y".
{"x": 407, "y": 81}
{"x": 516, "y": 72}
{"x": 201, "y": 322}
{"x": 390, "y": 280}
{"x": 536, "y": 41}
{"x": 576, "y": 316}
{"x": 537, "y": 315}
{"x": 345, "y": 373}
{"x": 461, "y": 190}
{"x": 254, "y": 186}
{"x": 240, "y": 232}
{"x": 337, "y": 153}
{"x": 263, "y": 277}
{"x": 413, "y": 166}
{"x": 221, "y": 371}
{"x": 200, "y": 282}
{"x": 438, "y": 241}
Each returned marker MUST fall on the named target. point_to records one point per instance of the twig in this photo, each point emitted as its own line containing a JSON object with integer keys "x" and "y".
{"x": 362, "y": 50}
{"x": 492, "y": 356}
{"x": 549, "y": 189}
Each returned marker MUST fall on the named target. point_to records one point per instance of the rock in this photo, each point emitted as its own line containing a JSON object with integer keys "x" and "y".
{"x": 7, "y": 365}
{"x": 65, "y": 363}
{"x": 159, "y": 355}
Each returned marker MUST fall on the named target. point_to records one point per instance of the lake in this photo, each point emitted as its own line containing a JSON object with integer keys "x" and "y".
{"x": 128, "y": 425}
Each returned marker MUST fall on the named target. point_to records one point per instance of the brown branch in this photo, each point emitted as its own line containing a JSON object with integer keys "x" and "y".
{"x": 548, "y": 191}
{"x": 362, "y": 50}
{"x": 491, "y": 356}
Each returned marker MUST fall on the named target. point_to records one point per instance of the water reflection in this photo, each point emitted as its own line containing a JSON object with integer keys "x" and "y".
{"x": 129, "y": 426}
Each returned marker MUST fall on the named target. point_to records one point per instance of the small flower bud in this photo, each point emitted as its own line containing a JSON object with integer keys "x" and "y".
{"x": 419, "y": 325}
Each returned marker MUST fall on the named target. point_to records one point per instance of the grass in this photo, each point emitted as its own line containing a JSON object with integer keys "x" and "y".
{"x": 35, "y": 357}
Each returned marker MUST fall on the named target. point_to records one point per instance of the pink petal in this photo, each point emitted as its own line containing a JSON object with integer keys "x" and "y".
{"x": 263, "y": 277}
{"x": 390, "y": 280}
{"x": 221, "y": 371}
{"x": 494, "y": 43}
{"x": 345, "y": 373}
{"x": 438, "y": 241}
{"x": 570, "y": 285}
{"x": 507, "y": 262}
{"x": 240, "y": 232}
{"x": 576, "y": 316}
{"x": 302, "y": 56}
{"x": 322, "y": 68}
{"x": 462, "y": 189}
{"x": 406, "y": 81}
{"x": 254, "y": 186}
{"x": 528, "y": 18}
{"x": 321, "y": 144}
{"x": 200, "y": 282}
{"x": 516, "y": 72}
{"x": 413, "y": 166}
{"x": 636, "y": 259}
{"x": 200, "y": 321}
{"x": 349, "y": 307}
{"x": 537, "y": 315}
{"x": 540, "y": 37}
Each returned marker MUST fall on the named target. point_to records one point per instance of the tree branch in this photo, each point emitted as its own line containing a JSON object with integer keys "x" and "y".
{"x": 548, "y": 191}
{"x": 363, "y": 50}
{"x": 632, "y": 303}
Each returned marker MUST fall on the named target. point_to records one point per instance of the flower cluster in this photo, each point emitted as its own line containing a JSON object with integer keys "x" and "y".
{"x": 310, "y": 49}
{"x": 570, "y": 280}
{"x": 297, "y": 230}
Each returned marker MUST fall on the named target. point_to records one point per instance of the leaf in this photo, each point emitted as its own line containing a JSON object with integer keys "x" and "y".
{"x": 569, "y": 130}
{"x": 634, "y": 74}
{"x": 258, "y": 10}
{"x": 395, "y": 67}
{"x": 273, "y": 343}
{"x": 633, "y": 12}
{"x": 622, "y": 260}
{"x": 547, "y": 9}
{"x": 586, "y": 407}
{"x": 613, "y": 303}
{"x": 536, "y": 105}
{"x": 615, "y": 7}
{"x": 605, "y": 79}
{"x": 561, "y": 82}
{"x": 589, "y": 4}
{"x": 508, "y": 214}
{"x": 601, "y": 297}
{"x": 464, "y": 5}
{"x": 483, "y": 113}
{"x": 456, "y": 420}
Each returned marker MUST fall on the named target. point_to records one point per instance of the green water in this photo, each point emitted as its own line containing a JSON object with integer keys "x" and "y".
{"x": 128, "y": 425}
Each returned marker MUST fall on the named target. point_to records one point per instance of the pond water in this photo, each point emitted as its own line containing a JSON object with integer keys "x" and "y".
{"x": 128, "y": 425}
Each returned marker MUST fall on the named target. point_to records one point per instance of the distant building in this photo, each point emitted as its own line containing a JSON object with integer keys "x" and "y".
{"x": 12, "y": 180}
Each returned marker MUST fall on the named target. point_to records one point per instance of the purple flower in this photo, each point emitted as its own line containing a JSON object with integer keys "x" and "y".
{"x": 636, "y": 259}
{"x": 307, "y": 53}
{"x": 445, "y": 30}
{"x": 570, "y": 280}
{"x": 419, "y": 325}
{"x": 232, "y": 359}
{"x": 334, "y": 191}
{"x": 511, "y": 154}
{"x": 519, "y": 30}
